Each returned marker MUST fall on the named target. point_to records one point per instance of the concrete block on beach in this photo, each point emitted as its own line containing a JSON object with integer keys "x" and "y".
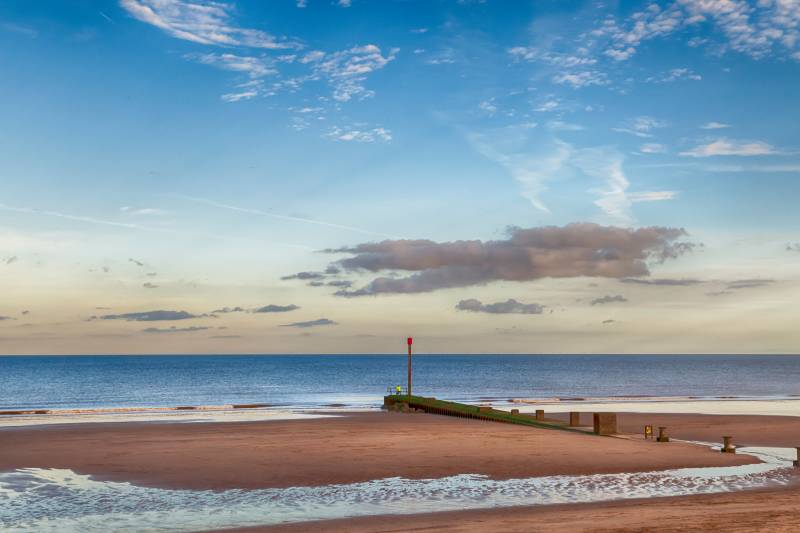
{"x": 605, "y": 423}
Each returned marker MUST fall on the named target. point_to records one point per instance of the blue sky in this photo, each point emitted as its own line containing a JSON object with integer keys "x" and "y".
{"x": 224, "y": 146}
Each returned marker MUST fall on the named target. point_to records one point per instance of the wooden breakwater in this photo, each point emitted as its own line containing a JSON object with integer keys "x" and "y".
{"x": 433, "y": 406}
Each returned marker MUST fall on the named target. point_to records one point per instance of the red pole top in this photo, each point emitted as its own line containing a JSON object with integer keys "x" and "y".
{"x": 410, "y": 340}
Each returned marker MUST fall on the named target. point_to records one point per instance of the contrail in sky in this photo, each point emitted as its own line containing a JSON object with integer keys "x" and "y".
{"x": 259, "y": 212}
{"x": 77, "y": 218}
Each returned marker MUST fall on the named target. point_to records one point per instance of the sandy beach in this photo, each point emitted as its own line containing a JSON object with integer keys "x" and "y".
{"x": 358, "y": 447}
{"x": 345, "y": 449}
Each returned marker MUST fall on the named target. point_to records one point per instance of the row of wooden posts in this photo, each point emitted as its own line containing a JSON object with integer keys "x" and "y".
{"x": 606, "y": 424}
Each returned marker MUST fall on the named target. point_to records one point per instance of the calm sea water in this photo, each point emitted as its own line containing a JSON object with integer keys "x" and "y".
{"x": 360, "y": 380}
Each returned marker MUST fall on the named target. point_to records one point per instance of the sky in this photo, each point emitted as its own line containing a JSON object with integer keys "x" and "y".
{"x": 331, "y": 176}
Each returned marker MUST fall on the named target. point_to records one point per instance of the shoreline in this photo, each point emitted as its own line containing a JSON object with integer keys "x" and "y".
{"x": 784, "y": 406}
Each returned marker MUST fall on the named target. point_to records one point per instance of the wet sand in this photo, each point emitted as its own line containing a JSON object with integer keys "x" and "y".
{"x": 346, "y": 449}
{"x": 774, "y": 511}
{"x": 365, "y": 446}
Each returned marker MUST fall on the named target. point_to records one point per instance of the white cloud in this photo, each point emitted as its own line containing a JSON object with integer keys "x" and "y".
{"x": 652, "y": 148}
{"x": 142, "y": 211}
{"x": 652, "y": 196}
{"x": 676, "y": 74}
{"x": 551, "y": 104}
{"x": 201, "y": 22}
{"x": 641, "y": 126}
{"x": 560, "y": 125}
{"x": 714, "y": 126}
{"x": 758, "y": 29}
{"x": 419, "y": 30}
{"x": 347, "y": 70}
{"x": 530, "y": 54}
{"x": 344, "y": 3}
{"x": 254, "y": 67}
{"x": 581, "y": 79}
{"x": 488, "y": 106}
{"x": 354, "y": 133}
{"x": 729, "y": 147}
{"x": 302, "y": 3}
{"x": 211, "y": 23}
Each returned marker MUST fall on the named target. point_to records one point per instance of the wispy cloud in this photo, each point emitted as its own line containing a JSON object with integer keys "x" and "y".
{"x": 202, "y": 22}
{"x": 530, "y": 169}
{"x": 731, "y": 147}
{"x": 676, "y": 74}
{"x": 19, "y": 30}
{"x": 615, "y": 198}
{"x": 714, "y": 126}
{"x": 652, "y": 148}
{"x": 641, "y": 126}
{"x": 756, "y": 29}
{"x": 560, "y": 125}
{"x": 584, "y": 78}
{"x": 353, "y": 133}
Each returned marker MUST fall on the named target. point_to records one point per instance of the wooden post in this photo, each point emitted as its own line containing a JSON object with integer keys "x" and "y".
{"x": 796, "y": 462}
{"x": 515, "y": 411}
{"x": 648, "y": 432}
{"x": 540, "y": 414}
{"x": 410, "y": 340}
{"x": 727, "y": 446}
{"x": 662, "y": 434}
{"x": 605, "y": 423}
{"x": 574, "y": 419}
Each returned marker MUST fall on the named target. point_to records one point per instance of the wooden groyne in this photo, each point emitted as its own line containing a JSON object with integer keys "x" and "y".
{"x": 459, "y": 410}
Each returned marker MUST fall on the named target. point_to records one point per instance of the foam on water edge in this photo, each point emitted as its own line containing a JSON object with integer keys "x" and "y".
{"x": 63, "y": 501}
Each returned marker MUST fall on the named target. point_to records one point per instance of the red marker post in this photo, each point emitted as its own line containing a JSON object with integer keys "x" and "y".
{"x": 410, "y": 341}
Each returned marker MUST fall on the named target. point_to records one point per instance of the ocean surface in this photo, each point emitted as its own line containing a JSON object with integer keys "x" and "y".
{"x": 357, "y": 381}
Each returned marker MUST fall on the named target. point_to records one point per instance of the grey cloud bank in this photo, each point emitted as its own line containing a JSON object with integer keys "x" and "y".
{"x": 575, "y": 250}
{"x": 276, "y": 308}
{"x": 151, "y": 316}
{"x": 609, "y": 299}
{"x": 310, "y": 323}
{"x": 510, "y": 306}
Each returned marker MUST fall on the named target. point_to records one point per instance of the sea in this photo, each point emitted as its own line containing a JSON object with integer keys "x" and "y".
{"x": 360, "y": 381}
